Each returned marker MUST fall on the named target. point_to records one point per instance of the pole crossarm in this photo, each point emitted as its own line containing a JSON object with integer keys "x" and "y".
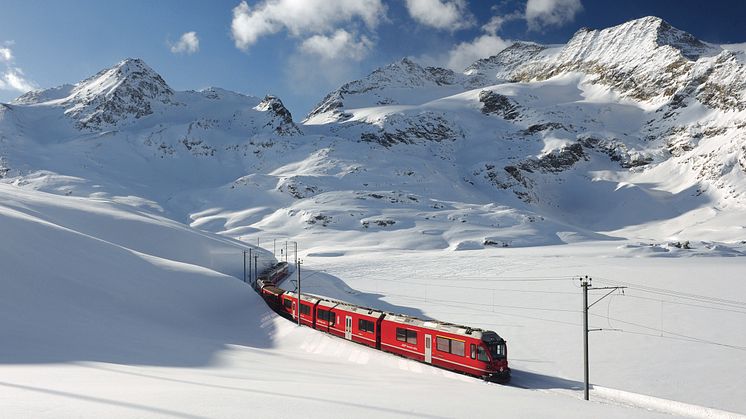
{"x": 605, "y": 295}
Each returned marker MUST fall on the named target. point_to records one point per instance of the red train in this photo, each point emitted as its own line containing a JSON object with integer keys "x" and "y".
{"x": 476, "y": 352}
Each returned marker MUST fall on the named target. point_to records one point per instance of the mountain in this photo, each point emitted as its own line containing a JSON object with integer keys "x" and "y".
{"x": 475, "y": 198}
{"x": 537, "y": 144}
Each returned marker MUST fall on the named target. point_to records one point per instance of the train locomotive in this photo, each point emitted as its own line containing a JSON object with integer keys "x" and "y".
{"x": 463, "y": 349}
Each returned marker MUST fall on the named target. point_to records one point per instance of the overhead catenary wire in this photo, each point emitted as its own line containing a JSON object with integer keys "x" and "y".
{"x": 676, "y": 294}
{"x": 680, "y": 335}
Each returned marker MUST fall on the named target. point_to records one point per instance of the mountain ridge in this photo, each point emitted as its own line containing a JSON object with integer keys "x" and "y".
{"x": 510, "y": 142}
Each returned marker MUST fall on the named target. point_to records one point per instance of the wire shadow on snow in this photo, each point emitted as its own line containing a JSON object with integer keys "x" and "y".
{"x": 329, "y": 286}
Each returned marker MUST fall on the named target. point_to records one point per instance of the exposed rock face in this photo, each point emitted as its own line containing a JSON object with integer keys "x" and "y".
{"x": 428, "y": 126}
{"x": 281, "y": 119}
{"x": 497, "y": 104}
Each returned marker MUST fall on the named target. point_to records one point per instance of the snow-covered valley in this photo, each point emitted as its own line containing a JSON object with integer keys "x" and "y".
{"x": 477, "y": 198}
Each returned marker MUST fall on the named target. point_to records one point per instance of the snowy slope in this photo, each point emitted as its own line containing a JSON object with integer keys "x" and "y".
{"x": 541, "y": 161}
{"x": 97, "y": 321}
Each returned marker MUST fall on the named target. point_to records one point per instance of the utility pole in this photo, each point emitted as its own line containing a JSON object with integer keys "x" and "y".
{"x": 274, "y": 247}
{"x": 300, "y": 262}
{"x": 250, "y": 265}
{"x": 244, "y": 265}
{"x": 256, "y": 267}
{"x": 286, "y": 251}
{"x": 297, "y": 269}
{"x": 585, "y": 283}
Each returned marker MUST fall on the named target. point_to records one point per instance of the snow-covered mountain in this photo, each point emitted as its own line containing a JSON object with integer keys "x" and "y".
{"x": 534, "y": 145}
{"x": 119, "y": 183}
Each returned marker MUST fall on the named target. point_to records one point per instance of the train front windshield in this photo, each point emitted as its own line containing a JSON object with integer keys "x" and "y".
{"x": 497, "y": 350}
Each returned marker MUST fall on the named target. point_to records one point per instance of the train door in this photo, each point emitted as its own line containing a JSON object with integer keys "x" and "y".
{"x": 428, "y": 349}
{"x": 295, "y": 312}
{"x": 348, "y": 328}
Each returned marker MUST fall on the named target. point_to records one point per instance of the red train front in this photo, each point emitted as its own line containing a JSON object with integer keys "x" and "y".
{"x": 459, "y": 348}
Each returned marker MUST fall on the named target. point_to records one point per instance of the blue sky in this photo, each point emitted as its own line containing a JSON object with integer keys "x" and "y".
{"x": 301, "y": 49}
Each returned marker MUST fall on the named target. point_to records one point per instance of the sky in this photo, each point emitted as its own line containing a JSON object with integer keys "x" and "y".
{"x": 299, "y": 50}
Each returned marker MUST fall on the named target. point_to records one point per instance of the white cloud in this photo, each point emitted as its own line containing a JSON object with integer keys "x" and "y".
{"x": 12, "y": 77}
{"x": 299, "y": 17}
{"x": 441, "y": 14}
{"x": 188, "y": 43}
{"x": 340, "y": 45}
{"x": 465, "y": 53}
{"x": 543, "y": 13}
{"x": 6, "y": 54}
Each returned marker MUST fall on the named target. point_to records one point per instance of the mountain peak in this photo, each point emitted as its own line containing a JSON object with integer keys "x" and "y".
{"x": 131, "y": 72}
{"x": 402, "y": 74}
{"x": 128, "y": 89}
{"x": 500, "y": 66}
{"x": 646, "y": 34}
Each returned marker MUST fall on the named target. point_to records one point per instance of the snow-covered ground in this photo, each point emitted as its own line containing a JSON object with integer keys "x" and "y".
{"x": 108, "y": 311}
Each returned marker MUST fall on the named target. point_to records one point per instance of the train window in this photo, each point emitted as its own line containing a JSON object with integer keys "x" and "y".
{"x": 366, "y": 326}
{"x": 451, "y": 346}
{"x": 326, "y": 316}
{"x": 406, "y": 335}
{"x": 305, "y": 309}
{"x": 288, "y": 304}
{"x": 457, "y": 347}
{"x": 473, "y": 351}
{"x": 482, "y": 354}
{"x": 401, "y": 334}
{"x": 443, "y": 344}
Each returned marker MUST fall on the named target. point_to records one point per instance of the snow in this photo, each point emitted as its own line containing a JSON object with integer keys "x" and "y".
{"x": 125, "y": 208}
{"x": 101, "y": 328}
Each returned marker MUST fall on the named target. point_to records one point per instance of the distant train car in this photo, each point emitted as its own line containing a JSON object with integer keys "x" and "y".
{"x": 274, "y": 274}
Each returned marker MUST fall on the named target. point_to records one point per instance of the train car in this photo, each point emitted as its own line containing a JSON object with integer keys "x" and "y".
{"x": 307, "y": 307}
{"x": 458, "y": 348}
{"x": 275, "y": 274}
{"x": 272, "y": 295}
{"x": 358, "y": 324}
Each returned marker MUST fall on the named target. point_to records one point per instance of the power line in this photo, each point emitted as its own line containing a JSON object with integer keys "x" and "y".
{"x": 678, "y": 294}
{"x": 684, "y": 304}
{"x": 478, "y": 278}
{"x": 691, "y": 338}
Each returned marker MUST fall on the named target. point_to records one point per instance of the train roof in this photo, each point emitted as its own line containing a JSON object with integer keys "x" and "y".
{"x": 303, "y": 297}
{"x": 273, "y": 289}
{"x": 452, "y": 328}
{"x": 351, "y": 307}
{"x": 445, "y": 327}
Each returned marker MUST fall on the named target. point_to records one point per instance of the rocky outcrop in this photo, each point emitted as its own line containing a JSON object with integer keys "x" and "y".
{"x": 281, "y": 121}
{"x": 497, "y": 104}
{"x": 427, "y": 126}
